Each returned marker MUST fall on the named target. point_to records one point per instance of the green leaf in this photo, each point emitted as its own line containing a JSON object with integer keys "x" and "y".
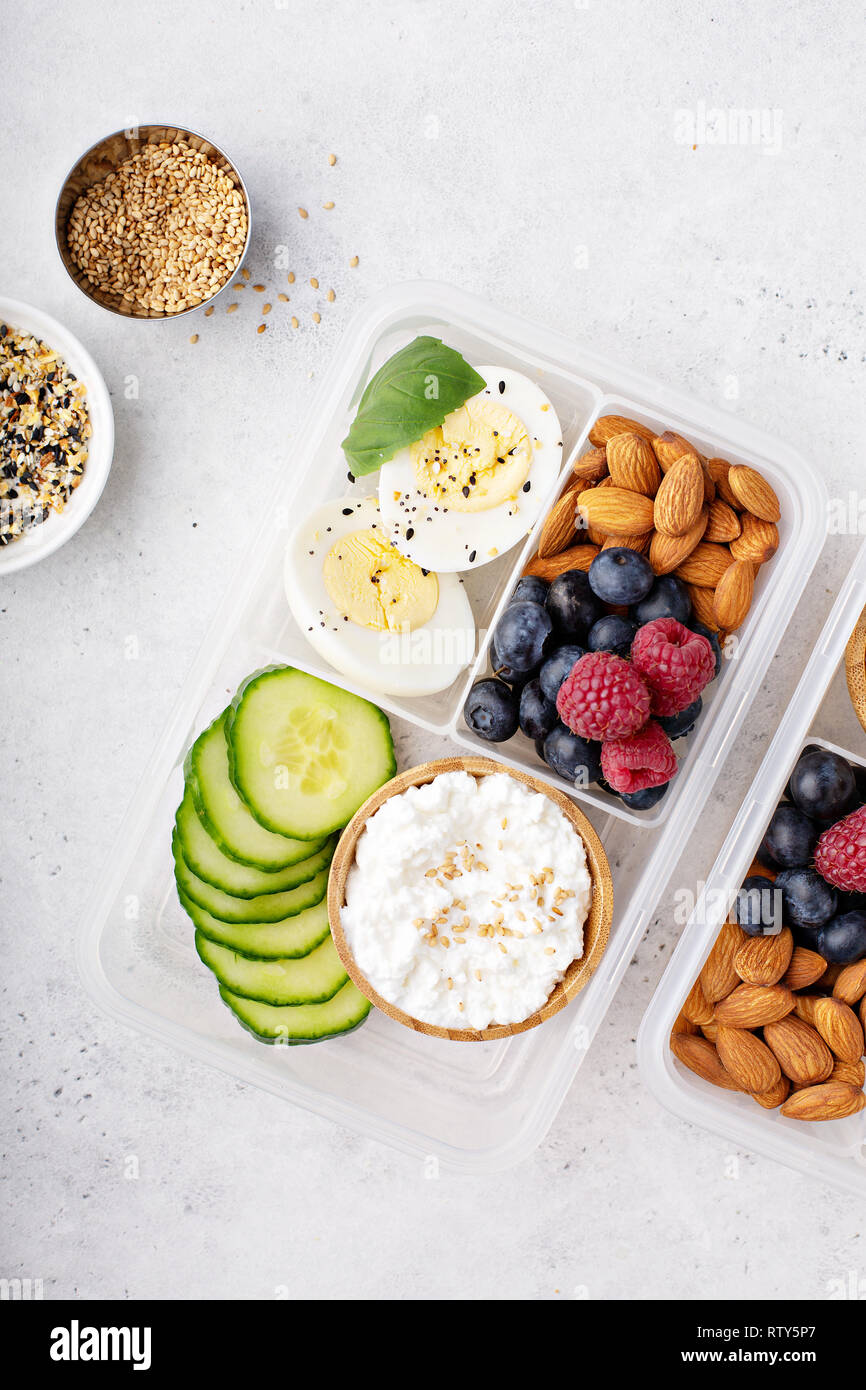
{"x": 411, "y": 394}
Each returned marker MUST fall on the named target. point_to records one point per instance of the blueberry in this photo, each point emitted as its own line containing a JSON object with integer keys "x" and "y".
{"x": 516, "y": 679}
{"x": 558, "y": 666}
{"x": 758, "y": 906}
{"x": 620, "y": 575}
{"x": 575, "y": 759}
{"x": 491, "y": 711}
{"x": 712, "y": 638}
{"x": 612, "y": 634}
{"x": 809, "y": 901}
{"x": 522, "y": 634}
{"x": 668, "y": 598}
{"x": 822, "y": 785}
{"x": 532, "y": 588}
{"x": 643, "y": 800}
{"x": 790, "y": 839}
{"x": 678, "y": 725}
{"x": 572, "y": 605}
{"x": 843, "y": 938}
{"x": 860, "y": 780}
{"x": 537, "y": 714}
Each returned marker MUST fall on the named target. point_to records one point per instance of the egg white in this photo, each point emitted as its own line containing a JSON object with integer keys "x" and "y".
{"x": 421, "y": 662}
{"x": 446, "y": 540}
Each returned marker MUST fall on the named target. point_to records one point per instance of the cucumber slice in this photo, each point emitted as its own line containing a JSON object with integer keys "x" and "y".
{"x": 265, "y": 907}
{"x": 209, "y": 863}
{"x": 293, "y": 937}
{"x": 301, "y": 1023}
{"x": 303, "y": 754}
{"x": 309, "y": 980}
{"x": 223, "y": 814}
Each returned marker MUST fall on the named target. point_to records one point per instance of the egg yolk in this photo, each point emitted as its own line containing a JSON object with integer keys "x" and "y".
{"x": 376, "y": 587}
{"x": 478, "y": 458}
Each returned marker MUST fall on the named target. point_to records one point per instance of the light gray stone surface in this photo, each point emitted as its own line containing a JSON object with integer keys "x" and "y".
{"x": 533, "y": 154}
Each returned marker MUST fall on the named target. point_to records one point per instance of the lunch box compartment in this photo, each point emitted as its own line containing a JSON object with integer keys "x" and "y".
{"x": 479, "y": 1107}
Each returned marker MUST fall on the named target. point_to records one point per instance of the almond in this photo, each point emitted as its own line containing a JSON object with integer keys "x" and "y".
{"x": 851, "y": 983}
{"x": 579, "y": 557}
{"x": 710, "y": 1031}
{"x": 684, "y": 1025}
{"x": 702, "y": 604}
{"x": 733, "y": 597}
{"x": 632, "y": 464}
{"x": 753, "y": 492}
{"x": 639, "y": 543}
{"x": 723, "y": 524}
{"x": 748, "y": 1060}
{"x": 801, "y": 1052}
{"x": 832, "y": 1101}
{"x": 831, "y": 975}
{"x": 616, "y": 511}
{"x": 718, "y": 470}
{"x": 680, "y": 497}
{"x": 751, "y": 1006}
{"x": 701, "y": 1057}
{"x": 609, "y": 426}
{"x": 559, "y": 528}
{"x": 758, "y": 540}
{"x": 804, "y": 1007}
{"x": 806, "y": 967}
{"x": 718, "y": 976}
{"x": 776, "y": 1094}
{"x": 863, "y": 1013}
{"x": 705, "y": 566}
{"x": 697, "y": 1008}
{"x": 840, "y": 1028}
{"x": 854, "y": 1073}
{"x": 669, "y": 447}
{"x": 592, "y": 466}
{"x": 666, "y": 552}
{"x": 763, "y": 960}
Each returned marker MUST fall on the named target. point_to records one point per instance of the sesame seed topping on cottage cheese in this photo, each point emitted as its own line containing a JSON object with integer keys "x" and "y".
{"x": 467, "y": 900}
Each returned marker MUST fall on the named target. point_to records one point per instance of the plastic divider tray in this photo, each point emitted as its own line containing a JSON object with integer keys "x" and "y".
{"x": 475, "y": 1107}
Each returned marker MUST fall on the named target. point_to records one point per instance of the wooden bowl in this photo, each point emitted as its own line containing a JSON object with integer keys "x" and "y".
{"x": 595, "y": 930}
{"x": 855, "y": 668}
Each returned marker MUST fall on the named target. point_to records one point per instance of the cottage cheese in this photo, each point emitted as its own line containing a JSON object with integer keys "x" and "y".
{"x": 467, "y": 899}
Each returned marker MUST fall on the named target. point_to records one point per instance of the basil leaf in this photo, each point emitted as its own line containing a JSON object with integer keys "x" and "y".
{"x": 411, "y": 394}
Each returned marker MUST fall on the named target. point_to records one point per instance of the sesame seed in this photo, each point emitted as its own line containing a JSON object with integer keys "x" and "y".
{"x": 317, "y": 318}
{"x": 261, "y": 328}
{"x": 353, "y": 262}
{"x": 327, "y": 206}
{"x": 331, "y": 296}
{"x": 291, "y": 277}
{"x": 332, "y": 159}
{"x": 314, "y": 282}
{"x": 230, "y": 309}
{"x": 283, "y": 298}
{"x": 259, "y": 289}
{"x": 295, "y": 323}
{"x": 302, "y": 213}
{"x": 194, "y": 338}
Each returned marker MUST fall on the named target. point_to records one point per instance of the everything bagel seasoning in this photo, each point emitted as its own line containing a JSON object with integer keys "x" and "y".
{"x": 44, "y": 432}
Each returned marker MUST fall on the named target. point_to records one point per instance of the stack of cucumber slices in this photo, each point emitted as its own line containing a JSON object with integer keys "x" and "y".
{"x": 268, "y": 786}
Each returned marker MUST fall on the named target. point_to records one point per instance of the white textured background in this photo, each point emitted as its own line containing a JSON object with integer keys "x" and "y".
{"x": 485, "y": 144}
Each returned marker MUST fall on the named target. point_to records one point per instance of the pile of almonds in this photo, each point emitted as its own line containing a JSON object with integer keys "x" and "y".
{"x": 711, "y": 523}
{"x": 778, "y": 1022}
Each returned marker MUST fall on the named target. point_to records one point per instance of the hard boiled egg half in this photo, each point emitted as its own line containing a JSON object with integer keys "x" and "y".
{"x": 473, "y": 487}
{"x": 373, "y": 614}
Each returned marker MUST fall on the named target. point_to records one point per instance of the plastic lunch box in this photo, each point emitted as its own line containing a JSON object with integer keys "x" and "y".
{"x": 474, "y": 1107}
{"x": 820, "y": 712}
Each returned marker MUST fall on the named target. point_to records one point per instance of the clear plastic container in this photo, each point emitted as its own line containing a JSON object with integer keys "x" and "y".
{"x": 820, "y": 712}
{"x": 475, "y": 1107}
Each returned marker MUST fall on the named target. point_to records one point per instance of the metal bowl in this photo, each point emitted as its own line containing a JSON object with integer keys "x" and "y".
{"x": 102, "y": 159}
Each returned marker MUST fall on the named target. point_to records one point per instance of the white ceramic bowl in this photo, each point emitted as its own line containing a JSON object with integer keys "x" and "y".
{"x": 44, "y": 539}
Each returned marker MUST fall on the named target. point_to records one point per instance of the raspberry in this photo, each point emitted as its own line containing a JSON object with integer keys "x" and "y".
{"x": 644, "y": 760}
{"x": 840, "y": 854}
{"x": 603, "y": 697}
{"x": 675, "y": 662}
